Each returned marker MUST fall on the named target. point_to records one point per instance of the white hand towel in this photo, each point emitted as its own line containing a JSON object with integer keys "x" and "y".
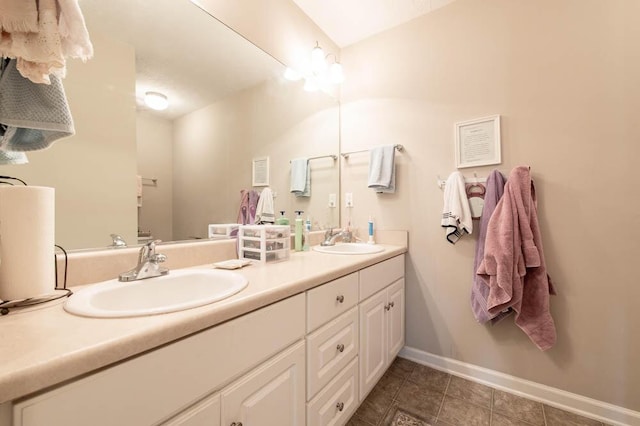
{"x": 382, "y": 169}
{"x": 265, "y": 211}
{"x": 456, "y": 215}
{"x": 300, "y": 177}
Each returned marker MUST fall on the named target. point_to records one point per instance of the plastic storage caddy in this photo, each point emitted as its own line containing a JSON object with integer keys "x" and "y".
{"x": 223, "y": 230}
{"x": 264, "y": 243}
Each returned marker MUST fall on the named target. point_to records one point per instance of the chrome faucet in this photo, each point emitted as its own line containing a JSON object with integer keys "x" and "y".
{"x": 330, "y": 237}
{"x": 148, "y": 264}
{"x": 118, "y": 241}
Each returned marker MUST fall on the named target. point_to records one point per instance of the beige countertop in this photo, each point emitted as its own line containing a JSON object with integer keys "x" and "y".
{"x": 48, "y": 346}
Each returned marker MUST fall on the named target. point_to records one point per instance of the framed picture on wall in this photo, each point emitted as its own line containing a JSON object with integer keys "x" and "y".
{"x": 260, "y": 171}
{"x": 478, "y": 142}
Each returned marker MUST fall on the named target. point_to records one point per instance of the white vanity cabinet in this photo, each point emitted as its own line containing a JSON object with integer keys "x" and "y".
{"x": 332, "y": 352}
{"x": 152, "y": 387}
{"x": 381, "y": 320}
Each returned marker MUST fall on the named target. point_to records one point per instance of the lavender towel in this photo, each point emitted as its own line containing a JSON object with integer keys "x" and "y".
{"x": 480, "y": 288}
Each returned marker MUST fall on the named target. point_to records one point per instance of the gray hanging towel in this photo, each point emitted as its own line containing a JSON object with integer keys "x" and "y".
{"x": 36, "y": 115}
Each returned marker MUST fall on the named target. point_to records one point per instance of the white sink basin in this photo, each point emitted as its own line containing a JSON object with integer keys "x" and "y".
{"x": 179, "y": 290}
{"x": 350, "y": 248}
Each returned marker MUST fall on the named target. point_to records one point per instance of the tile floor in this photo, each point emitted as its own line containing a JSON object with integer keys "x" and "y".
{"x": 438, "y": 398}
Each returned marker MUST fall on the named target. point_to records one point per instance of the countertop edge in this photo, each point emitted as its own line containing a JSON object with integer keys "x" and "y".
{"x": 66, "y": 366}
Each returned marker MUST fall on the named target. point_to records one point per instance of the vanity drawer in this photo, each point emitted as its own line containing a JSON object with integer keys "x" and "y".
{"x": 329, "y": 350}
{"x": 330, "y": 300}
{"x": 335, "y": 404}
{"x": 376, "y": 277}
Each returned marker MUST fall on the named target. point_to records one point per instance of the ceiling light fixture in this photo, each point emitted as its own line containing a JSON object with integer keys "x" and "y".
{"x": 155, "y": 100}
{"x": 322, "y": 73}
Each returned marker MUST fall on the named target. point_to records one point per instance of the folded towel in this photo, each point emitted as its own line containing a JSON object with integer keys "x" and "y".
{"x": 265, "y": 210}
{"x": 456, "y": 215}
{"x": 36, "y": 115}
{"x": 300, "y": 177}
{"x": 382, "y": 169}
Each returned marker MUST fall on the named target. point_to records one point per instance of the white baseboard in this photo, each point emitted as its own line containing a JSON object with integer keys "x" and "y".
{"x": 588, "y": 407}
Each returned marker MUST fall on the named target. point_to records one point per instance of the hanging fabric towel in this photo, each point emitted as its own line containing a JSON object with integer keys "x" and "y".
{"x": 456, "y": 215}
{"x": 265, "y": 211}
{"x": 243, "y": 211}
{"x": 382, "y": 169}
{"x": 139, "y": 189}
{"x": 480, "y": 288}
{"x": 60, "y": 32}
{"x": 514, "y": 264}
{"x": 300, "y": 177}
{"x": 18, "y": 15}
{"x": 36, "y": 115}
{"x": 254, "y": 196}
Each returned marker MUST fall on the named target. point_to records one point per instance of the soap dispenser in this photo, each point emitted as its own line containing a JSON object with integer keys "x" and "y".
{"x": 297, "y": 239}
{"x": 282, "y": 220}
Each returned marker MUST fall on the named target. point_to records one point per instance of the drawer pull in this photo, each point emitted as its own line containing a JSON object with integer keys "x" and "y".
{"x": 340, "y": 299}
{"x": 340, "y": 406}
{"x": 387, "y": 307}
{"x": 340, "y": 347}
{"x": 236, "y": 424}
{"x": 391, "y": 304}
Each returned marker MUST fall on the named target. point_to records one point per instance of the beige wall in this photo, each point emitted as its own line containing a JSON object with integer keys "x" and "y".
{"x": 564, "y": 77}
{"x": 94, "y": 171}
{"x": 154, "y": 137}
{"x": 213, "y": 148}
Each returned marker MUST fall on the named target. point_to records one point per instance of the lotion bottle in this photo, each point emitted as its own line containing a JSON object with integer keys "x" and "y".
{"x": 297, "y": 239}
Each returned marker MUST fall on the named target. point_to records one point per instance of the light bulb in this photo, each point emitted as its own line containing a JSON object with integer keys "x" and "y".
{"x": 318, "y": 64}
{"x": 292, "y": 75}
{"x": 155, "y": 100}
{"x": 336, "y": 76}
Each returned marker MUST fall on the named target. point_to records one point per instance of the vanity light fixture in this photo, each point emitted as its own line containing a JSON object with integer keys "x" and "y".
{"x": 322, "y": 74}
{"x": 155, "y": 100}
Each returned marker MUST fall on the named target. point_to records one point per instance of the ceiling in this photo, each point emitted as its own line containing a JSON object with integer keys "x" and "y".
{"x": 181, "y": 51}
{"x": 349, "y": 21}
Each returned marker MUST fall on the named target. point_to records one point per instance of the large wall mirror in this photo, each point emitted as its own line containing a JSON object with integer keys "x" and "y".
{"x": 229, "y": 105}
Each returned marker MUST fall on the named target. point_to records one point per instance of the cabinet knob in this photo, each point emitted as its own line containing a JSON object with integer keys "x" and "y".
{"x": 391, "y": 304}
{"x": 236, "y": 424}
{"x": 387, "y": 307}
{"x": 340, "y": 298}
{"x": 340, "y": 347}
{"x": 340, "y": 406}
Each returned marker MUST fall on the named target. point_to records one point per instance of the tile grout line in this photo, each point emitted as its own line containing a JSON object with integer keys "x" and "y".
{"x": 544, "y": 414}
{"x": 444, "y": 394}
{"x": 491, "y": 408}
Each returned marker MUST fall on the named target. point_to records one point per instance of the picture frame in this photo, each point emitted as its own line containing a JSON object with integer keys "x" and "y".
{"x": 260, "y": 171}
{"x": 478, "y": 142}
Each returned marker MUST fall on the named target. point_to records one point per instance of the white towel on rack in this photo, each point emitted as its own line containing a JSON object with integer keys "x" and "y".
{"x": 382, "y": 169}
{"x": 300, "y": 177}
{"x": 264, "y": 210}
{"x": 456, "y": 215}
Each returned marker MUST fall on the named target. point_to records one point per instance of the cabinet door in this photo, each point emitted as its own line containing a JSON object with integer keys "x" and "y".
{"x": 373, "y": 347}
{"x": 204, "y": 413}
{"x": 395, "y": 319}
{"x": 272, "y": 394}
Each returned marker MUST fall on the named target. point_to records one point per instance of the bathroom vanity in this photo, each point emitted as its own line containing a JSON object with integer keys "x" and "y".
{"x": 303, "y": 344}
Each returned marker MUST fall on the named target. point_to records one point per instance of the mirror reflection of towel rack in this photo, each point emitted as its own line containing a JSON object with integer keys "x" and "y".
{"x": 149, "y": 181}
{"x": 346, "y": 155}
{"x": 335, "y": 157}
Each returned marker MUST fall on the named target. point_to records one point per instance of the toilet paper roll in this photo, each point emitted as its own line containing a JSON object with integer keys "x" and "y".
{"x": 27, "y": 238}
